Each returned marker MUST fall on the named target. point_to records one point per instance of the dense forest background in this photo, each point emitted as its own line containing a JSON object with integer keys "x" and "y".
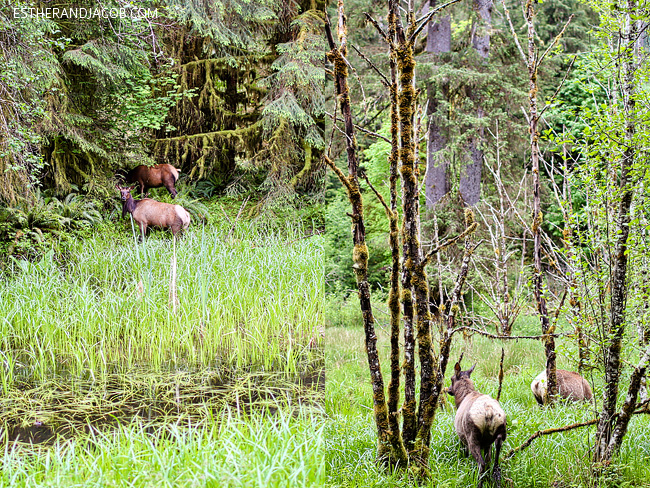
{"x": 472, "y": 126}
{"x": 229, "y": 92}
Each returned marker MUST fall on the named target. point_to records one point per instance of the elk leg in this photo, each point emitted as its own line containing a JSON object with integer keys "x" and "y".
{"x": 496, "y": 470}
{"x": 475, "y": 450}
{"x": 143, "y": 231}
{"x": 123, "y": 210}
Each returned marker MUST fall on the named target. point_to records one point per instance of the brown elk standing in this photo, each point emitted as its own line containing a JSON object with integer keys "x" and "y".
{"x": 480, "y": 421}
{"x": 150, "y": 212}
{"x": 570, "y": 385}
{"x": 154, "y": 177}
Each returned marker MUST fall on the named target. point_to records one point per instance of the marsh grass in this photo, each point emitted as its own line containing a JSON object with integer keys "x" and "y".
{"x": 227, "y": 450}
{"x": 251, "y": 303}
{"x": 559, "y": 460}
{"x": 106, "y": 333}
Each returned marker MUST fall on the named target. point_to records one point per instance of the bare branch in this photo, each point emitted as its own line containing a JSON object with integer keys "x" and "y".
{"x": 559, "y": 87}
{"x": 428, "y": 18}
{"x": 389, "y": 212}
{"x": 381, "y": 31}
{"x": 361, "y": 129}
{"x": 555, "y": 41}
{"x": 514, "y": 33}
{"x": 372, "y": 65}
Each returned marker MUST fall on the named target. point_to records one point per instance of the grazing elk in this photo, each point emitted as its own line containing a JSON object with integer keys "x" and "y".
{"x": 154, "y": 177}
{"x": 480, "y": 421}
{"x": 570, "y": 385}
{"x": 150, "y": 212}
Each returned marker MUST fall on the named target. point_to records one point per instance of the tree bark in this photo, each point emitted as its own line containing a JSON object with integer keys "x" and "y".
{"x": 606, "y": 444}
{"x": 390, "y": 446}
{"x": 470, "y": 182}
{"x": 437, "y": 178}
{"x": 538, "y": 280}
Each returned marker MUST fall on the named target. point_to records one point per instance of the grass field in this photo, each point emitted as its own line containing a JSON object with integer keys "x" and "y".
{"x": 122, "y": 368}
{"x": 559, "y": 460}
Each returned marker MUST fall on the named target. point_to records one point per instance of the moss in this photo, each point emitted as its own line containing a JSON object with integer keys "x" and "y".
{"x": 360, "y": 253}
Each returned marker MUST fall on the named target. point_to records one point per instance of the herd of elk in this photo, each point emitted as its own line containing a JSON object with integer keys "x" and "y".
{"x": 148, "y": 212}
{"x": 480, "y": 421}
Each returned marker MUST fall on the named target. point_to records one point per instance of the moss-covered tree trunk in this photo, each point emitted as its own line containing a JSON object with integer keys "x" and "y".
{"x": 390, "y": 446}
{"x": 538, "y": 280}
{"x": 607, "y": 441}
{"x": 410, "y": 446}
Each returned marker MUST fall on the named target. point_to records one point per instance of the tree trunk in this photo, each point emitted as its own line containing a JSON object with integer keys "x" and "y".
{"x": 470, "y": 182}
{"x": 390, "y": 447}
{"x": 437, "y": 178}
{"x": 538, "y": 281}
{"x": 606, "y": 444}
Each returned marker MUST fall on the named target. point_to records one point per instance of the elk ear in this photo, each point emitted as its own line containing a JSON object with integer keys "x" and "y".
{"x": 118, "y": 187}
{"x": 471, "y": 369}
{"x": 457, "y": 369}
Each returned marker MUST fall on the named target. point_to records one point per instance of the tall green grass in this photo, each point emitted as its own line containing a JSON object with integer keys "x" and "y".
{"x": 253, "y": 301}
{"x": 277, "y": 451}
{"x": 560, "y": 460}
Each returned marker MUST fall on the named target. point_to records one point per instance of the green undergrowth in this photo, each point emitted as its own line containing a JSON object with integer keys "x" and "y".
{"x": 271, "y": 450}
{"x": 559, "y": 460}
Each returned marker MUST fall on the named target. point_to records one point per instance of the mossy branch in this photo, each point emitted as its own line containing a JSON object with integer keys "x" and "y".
{"x": 449, "y": 242}
{"x": 338, "y": 172}
{"x": 508, "y": 337}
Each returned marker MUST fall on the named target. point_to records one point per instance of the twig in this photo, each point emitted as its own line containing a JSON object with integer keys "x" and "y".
{"x": 514, "y": 33}
{"x": 449, "y": 242}
{"x": 381, "y": 31}
{"x": 237, "y": 218}
{"x": 573, "y": 60}
{"x": 225, "y": 214}
{"x": 389, "y": 212}
{"x": 372, "y": 65}
{"x": 360, "y": 129}
{"x": 540, "y": 433}
{"x": 503, "y": 353}
{"x": 555, "y": 41}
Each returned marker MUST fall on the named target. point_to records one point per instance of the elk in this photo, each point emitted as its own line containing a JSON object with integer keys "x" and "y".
{"x": 570, "y": 385}
{"x": 150, "y": 212}
{"x": 154, "y": 177}
{"x": 480, "y": 421}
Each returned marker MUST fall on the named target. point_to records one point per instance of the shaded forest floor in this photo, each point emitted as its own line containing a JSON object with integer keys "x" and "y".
{"x": 196, "y": 362}
{"x": 560, "y": 460}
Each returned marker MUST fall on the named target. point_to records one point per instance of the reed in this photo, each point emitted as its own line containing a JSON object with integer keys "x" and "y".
{"x": 253, "y": 302}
